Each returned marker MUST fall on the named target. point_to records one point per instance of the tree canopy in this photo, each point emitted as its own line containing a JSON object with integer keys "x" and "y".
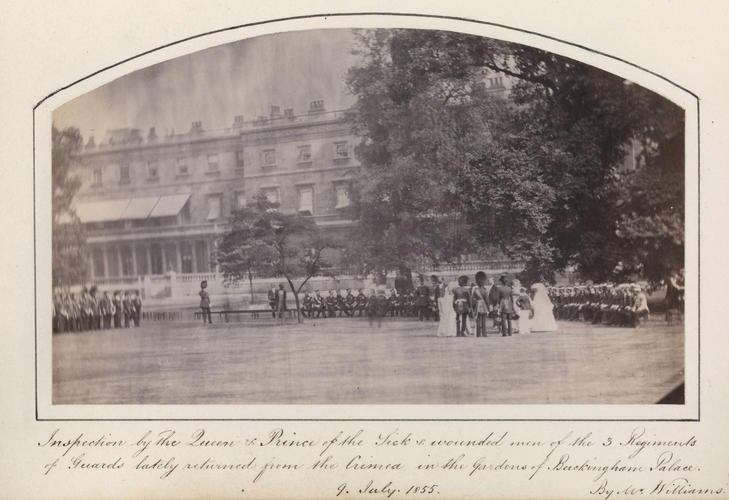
{"x": 69, "y": 252}
{"x": 452, "y": 166}
{"x": 263, "y": 241}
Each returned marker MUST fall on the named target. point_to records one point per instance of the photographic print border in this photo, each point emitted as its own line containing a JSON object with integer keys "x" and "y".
{"x": 39, "y": 417}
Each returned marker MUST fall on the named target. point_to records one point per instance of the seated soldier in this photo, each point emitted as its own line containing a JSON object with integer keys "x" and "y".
{"x": 349, "y": 302}
{"x": 331, "y": 304}
{"x": 306, "y": 305}
{"x": 360, "y": 303}
{"x": 318, "y": 305}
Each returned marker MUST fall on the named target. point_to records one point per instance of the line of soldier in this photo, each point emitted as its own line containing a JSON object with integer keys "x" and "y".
{"x": 91, "y": 311}
{"x": 607, "y": 304}
{"x": 376, "y": 303}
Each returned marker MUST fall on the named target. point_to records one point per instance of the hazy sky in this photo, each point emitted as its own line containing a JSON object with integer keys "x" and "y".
{"x": 214, "y": 85}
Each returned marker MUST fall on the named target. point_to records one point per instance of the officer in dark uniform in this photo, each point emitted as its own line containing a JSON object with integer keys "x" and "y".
{"x": 136, "y": 308}
{"x": 331, "y": 304}
{"x": 306, "y": 305}
{"x": 319, "y": 305}
{"x": 118, "y": 309}
{"x": 272, "y": 300}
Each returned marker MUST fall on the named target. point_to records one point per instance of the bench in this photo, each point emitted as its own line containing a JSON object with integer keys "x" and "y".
{"x": 224, "y": 314}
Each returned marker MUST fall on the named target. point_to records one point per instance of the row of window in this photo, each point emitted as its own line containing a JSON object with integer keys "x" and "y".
{"x": 130, "y": 260}
{"x": 305, "y": 199}
{"x": 267, "y": 160}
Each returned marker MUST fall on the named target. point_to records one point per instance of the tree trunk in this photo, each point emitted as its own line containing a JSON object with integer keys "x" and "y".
{"x": 296, "y": 299}
{"x": 250, "y": 283}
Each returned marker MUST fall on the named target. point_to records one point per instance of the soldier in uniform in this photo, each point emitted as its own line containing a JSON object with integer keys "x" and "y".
{"x": 306, "y": 306}
{"x": 118, "y": 309}
{"x": 360, "y": 303}
{"x": 128, "y": 309}
{"x": 422, "y": 299}
{"x": 479, "y": 304}
{"x": 461, "y": 305}
{"x": 349, "y": 303}
{"x": 503, "y": 301}
{"x": 137, "y": 308}
{"x": 331, "y": 304}
{"x": 205, "y": 303}
{"x": 319, "y": 305}
{"x": 341, "y": 307}
{"x": 106, "y": 307}
{"x": 281, "y": 307}
{"x": 272, "y": 300}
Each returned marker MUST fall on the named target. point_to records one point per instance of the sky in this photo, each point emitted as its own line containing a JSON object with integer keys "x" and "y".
{"x": 213, "y": 85}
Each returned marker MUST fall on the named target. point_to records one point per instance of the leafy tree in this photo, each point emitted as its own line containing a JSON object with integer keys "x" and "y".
{"x": 69, "y": 251}
{"x": 267, "y": 242}
{"x": 534, "y": 175}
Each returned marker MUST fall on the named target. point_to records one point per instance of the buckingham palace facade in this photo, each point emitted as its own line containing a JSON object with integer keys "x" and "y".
{"x": 156, "y": 204}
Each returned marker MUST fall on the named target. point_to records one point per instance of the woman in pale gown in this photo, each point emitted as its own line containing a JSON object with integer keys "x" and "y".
{"x": 543, "y": 320}
{"x": 447, "y": 324}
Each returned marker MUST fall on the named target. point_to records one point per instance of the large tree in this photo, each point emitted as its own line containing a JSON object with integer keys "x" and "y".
{"x": 69, "y": 251}
{"x": 269, "y": 243}
{"x": 534, "y": 175}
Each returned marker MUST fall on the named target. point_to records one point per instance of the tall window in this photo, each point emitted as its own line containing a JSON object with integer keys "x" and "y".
{"x": 202, "y": 257}
{"x": 171, "y": 257}
{"x": 140, "y": 254}
{"x": 155, "y": 252}
{"x": 152, "y": 169}
{"x": 268, "y": 158}
{"x": 341, "y": 192}
{"x": 341, "y": 150}
{"x": 127, "y": 261}
{"x": 215, "y": 203}
{"x": 182, "y": 168}
{"x": 112, "y": 255}
{"x": 240, "y": 199}
{"x": 240, "y": 161}
{"x": 272, "y": 195}
{"x": 304, "y": 154}
{"x": 97, "y": 177}
{"x": 213, "y": 162}
{"x": 186, "y": 257}
{"x": 97, "y": 256}
{"x": 124, "y": 174}
{"x": 306, "y": 200}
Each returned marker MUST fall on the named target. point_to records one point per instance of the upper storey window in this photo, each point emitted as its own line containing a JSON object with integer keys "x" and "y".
{"x": 268, "y": 158}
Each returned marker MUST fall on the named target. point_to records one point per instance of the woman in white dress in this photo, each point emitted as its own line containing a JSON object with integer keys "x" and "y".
{"x": 543, "y": 320}
{"x": 447, "y": 324}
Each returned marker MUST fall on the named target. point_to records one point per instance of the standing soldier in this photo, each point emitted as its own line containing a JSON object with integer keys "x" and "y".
{"x": 118, "y": 309}
{"x": 422, "y": 299}
{"x": 280, "y": 303}
{"x": 127, "y": 309}
{"x": 107, "y": 309}
{"x": 272, "y": 300}
{"x": 137, "y": 306}
{"x": 461, "y": 305}
{"x": 205, "y": 302}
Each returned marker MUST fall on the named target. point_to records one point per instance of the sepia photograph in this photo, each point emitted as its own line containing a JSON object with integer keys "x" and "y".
{"x": 380, "y": 216}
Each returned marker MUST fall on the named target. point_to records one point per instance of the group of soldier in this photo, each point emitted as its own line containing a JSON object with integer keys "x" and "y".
{"x": 376, "y": 303}
{"x": 607, "y": 304}
{"x": 90, "y": 310}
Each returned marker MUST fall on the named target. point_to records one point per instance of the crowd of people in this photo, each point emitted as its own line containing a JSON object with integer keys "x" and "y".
{"x": 90, "y": 310}
{"x": 622, "y": 305}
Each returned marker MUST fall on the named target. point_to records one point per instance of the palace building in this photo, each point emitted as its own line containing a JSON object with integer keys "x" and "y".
{"x": 155, "y": 204}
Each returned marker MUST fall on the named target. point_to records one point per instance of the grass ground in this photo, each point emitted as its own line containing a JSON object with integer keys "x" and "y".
{"x": 345, "y": 361}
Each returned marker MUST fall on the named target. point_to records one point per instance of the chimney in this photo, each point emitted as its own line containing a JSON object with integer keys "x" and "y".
{"x": 196, "y": 127}
{"x": 91, "y": 144}
{"x": 238, "y": 121}
{"x": 275, "y": 111}
{"x": 316, "y": 106}
{"x": 152, "y": 135}
{"x": 289, "y": 113}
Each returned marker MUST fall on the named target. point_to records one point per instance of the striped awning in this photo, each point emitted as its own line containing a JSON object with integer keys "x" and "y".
{"x": 130, "y": 208}
{"x": 169, "y": 205}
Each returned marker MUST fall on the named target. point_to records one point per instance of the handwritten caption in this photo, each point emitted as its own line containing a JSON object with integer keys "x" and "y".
{"x": 397, "y": 463}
